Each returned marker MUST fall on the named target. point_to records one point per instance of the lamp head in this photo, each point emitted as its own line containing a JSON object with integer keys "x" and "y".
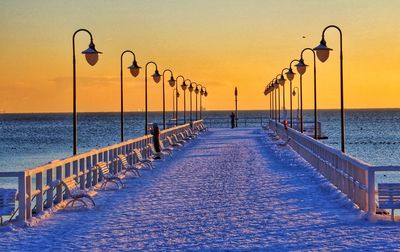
{"x": 301, "y": 67}
{"x": 201, "y": 91}
{"x": 171, "y": 81}
{"x": 134, "y": 68}
{"x": 282, "y": 80}
{"x": 294, "y": 93}
{"x": 184, "y": 86}
{"x": 196, "y": 90}
{"x": 322, "y": 51}
{"x": 290, "y": 74}
{"x": 177, "y": 94}
{"x": 205, "y": 93}
{"x": 156, "y": 76}
{"x": 91, "y": 54}
{"x": 276, "y": 83}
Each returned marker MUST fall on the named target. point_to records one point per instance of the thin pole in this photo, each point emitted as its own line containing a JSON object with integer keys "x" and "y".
{"x": 163, "y": 86}
{"x": 74, "y": 113}
{"x": 342, "y": 116}
{"x": 196, "y": 106}
{"x": 201, "y": 104}
{"x": 236, "y": 107}
{"x": 176, "y": 99}
{"x": 291, "y": 106}
{"x": 301, "y": 103}
{"x": 279, "y": 103}
{"x": 191, "y": 117}
{"x": 145, "y": 95}
{"x": 184, "y": 106}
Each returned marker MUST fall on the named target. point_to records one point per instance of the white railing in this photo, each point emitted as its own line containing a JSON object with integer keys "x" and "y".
{"x": 36, "y": 190}
{"x": 353, "y": 177}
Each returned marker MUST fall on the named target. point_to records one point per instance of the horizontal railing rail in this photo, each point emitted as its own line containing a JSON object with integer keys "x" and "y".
{"x": 225, "y": 122}
{"x": 350, "y": 175}
{"x": 37, "y": 190}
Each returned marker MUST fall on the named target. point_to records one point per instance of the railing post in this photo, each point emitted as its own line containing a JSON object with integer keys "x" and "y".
{"x": 59, "y": 196}
{"x": 49, "y": 193}
{"x": 39, "y": 197}
{"x": 371, "y": 192}
{"x": 22, "y": 217}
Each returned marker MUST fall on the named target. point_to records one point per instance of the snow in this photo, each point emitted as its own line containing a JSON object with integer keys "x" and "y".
{"x": 227, "y": 189}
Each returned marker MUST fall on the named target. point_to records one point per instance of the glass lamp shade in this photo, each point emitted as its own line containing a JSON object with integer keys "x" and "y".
{"x": 201, "y": 91}
{"x": 196, "y": 90}
{"x": 322, "y": 51}
{"x": 191, "y": 88}
{"x": 301, "y": 67}
{"x": 265, "y": 92}
{"x": 177, "y": 94}
{"x": 171, "y": 81}
{"x": 205, "y": 93}
{"x": 294, "y": 93}
{"x": 91, "y": 54}
{"x": 290, "y": 74}
{"x": 282, "y": 80}
{"x": 184, "y": 86}
{"x": 134, "y": 69}
{"x": 156, "y": 76}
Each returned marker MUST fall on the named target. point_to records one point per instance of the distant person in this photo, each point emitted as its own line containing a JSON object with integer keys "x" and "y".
{"x": 232, "y": 116}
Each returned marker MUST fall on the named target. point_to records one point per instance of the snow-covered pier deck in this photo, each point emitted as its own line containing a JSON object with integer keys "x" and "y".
{"x": 227, "y": 189}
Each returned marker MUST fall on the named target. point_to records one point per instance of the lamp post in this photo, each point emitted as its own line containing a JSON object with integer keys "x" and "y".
{"x": 92, "y": 56}
{"x": 298, "y": 100}
{"x": 323, "y": 54}
{"x": 275, "y": 100}
{"x": 282, "y": 81}
{"x": 236, "y": 107}
{"x": 156, "y": 77}
{"x": 202, "y": 92}
{"x": 134, "y": 69}
{"x": 176, "y": 98}
{"x": 302, "y": 67}
{"x": 171, "y": 82}
{"x": 196, "y": 91}
{"x": 191, "y": 88}
{"x": 276, "y": 84}
{"x": 290, "y": 76}
{"x": 184, "y": 87}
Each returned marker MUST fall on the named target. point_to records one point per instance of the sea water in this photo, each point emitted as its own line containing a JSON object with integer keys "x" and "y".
{"x": 29, "y": 140}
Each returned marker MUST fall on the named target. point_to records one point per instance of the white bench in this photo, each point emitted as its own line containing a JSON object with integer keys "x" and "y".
{"x": 389, "y": 196}
{"x": 74, "y": 193}
{"x": 7, "y": 203}
{"x": 107, "y": 176}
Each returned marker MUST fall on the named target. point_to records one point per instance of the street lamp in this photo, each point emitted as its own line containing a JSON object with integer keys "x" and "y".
{"x": 176, "y": 97}
{"x": 298, "y": 101}
{"x": 276, "y": 84}
{"x": 156, "y": 77}
{"x": 290, "y": 75}
{"x": 202, "y": 92}
{"x": 281, "y": 82}
{"x": 134, "y": 69}
{"x": 302, "y": 67}
{"x": 92, "y": 56}
{"x": 196, "y": 91}
{"x": 323, "y": 54}
{"x": 184, "y": 87}
{"x": 191, "y": 88}
{"x": 171, "y": 82}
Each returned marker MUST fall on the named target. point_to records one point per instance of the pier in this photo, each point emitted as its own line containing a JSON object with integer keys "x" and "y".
{"x": 225, "y": 189}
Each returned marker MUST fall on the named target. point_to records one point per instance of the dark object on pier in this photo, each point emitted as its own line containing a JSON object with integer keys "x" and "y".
{"x": 156, "y": 136}
{"x": 232, "y": 116}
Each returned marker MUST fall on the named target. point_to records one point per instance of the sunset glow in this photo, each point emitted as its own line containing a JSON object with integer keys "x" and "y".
{"x": 219, "y": 44}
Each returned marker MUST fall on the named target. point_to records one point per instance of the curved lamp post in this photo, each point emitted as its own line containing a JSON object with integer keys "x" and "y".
{"x": 323, "y": 54}
{"x": 301, "y": 67}
{"x": 171, "y": 82}
{"x": 191, "y": 88}
{"x": 290, "y": 76}
{"x": 202, "y": 92}
{"x": 184, "y": 87}
{"x": 92, "y": 56}
{"x": 176, "y": 97}
{"x": 156, "y": 77}
{"x": 277, "y": 86}
{"x": 196, "y": 91}
{"x": 298, "y": 100}
{"x": 134, "y": 69}
{"x": 282, "y": 81}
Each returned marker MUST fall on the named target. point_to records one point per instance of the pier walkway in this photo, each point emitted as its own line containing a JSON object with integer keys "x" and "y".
{"x": 227, "y": 189}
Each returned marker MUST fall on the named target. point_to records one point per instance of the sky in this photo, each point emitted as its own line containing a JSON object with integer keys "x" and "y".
{"x": 219, "y": 44}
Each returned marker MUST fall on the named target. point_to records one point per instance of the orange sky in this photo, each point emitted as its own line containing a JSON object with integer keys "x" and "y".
{"x": 221, "y": 44}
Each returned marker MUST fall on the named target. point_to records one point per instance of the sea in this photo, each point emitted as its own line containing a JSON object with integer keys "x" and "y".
{"x": 30, "y": 140}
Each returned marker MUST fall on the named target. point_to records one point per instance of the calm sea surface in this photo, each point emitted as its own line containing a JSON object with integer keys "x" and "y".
{"x": 29, "y": 140}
